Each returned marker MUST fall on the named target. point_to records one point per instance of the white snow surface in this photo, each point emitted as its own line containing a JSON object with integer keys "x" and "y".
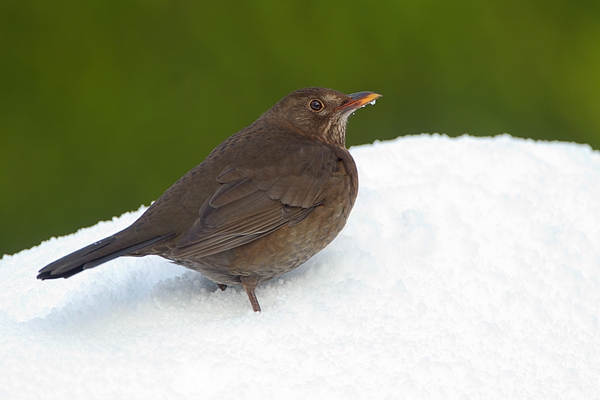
{"x": 469, "y": 269}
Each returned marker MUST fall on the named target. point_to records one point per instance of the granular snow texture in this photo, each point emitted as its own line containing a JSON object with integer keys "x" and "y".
{"x": 469, "y": 268}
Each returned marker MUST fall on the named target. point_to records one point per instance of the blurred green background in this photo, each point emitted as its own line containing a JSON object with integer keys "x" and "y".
{"x": 104, "y": 104}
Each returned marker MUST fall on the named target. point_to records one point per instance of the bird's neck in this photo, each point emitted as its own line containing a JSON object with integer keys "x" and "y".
{"x": 335, "y": 133}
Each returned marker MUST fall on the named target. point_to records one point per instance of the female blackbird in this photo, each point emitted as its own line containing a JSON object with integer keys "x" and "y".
{"x": 261, "y": 204}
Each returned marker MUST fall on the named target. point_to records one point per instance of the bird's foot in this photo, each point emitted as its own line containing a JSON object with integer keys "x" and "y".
{"x": 249, "y": 284}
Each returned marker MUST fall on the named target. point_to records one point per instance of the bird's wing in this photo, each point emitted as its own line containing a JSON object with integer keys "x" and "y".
{"x": 250, "y": 203}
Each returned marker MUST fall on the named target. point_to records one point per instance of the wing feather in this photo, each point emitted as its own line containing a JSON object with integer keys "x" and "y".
{"x": 251, "y": 203}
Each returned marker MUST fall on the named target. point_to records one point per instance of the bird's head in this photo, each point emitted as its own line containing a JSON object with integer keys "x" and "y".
{"x": 320, "y": 113}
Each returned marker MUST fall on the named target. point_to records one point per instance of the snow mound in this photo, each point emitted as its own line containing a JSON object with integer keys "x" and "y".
{"x": 469, "y": 268}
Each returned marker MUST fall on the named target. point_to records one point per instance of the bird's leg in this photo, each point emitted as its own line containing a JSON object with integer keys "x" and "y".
{"x": 221, "y": 286}
{"x": 249, "y": 284}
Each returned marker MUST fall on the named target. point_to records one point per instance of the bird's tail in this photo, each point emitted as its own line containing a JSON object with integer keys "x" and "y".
{"x": 95, "y": 254}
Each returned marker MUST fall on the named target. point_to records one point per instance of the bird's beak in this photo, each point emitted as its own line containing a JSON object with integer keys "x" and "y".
{"x": 358, "y": 100}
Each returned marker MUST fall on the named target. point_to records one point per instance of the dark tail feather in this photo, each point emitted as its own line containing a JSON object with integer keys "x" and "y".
{"x": 93, "y": 255}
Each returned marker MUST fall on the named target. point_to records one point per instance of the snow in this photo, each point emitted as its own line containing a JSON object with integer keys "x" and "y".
{"x": 469, "y": 268}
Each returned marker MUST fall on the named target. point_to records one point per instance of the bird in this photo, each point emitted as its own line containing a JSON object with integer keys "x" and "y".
{"x": 261, "y": 203}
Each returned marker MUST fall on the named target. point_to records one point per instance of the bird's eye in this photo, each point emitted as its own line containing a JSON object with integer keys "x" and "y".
{"x": 316, "y": 105}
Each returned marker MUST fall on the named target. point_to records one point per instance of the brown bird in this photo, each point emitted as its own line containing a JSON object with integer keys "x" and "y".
{"x": 261, "y": 204}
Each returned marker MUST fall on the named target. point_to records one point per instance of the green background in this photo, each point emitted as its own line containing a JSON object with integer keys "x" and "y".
{"x": 104, "y": 104}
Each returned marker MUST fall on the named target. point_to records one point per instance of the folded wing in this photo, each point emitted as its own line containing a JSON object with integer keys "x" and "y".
{"x": 251, "y": 203}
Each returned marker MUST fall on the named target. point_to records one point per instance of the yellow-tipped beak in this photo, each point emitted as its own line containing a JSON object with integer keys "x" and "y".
{"x": 359, "y": 100}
